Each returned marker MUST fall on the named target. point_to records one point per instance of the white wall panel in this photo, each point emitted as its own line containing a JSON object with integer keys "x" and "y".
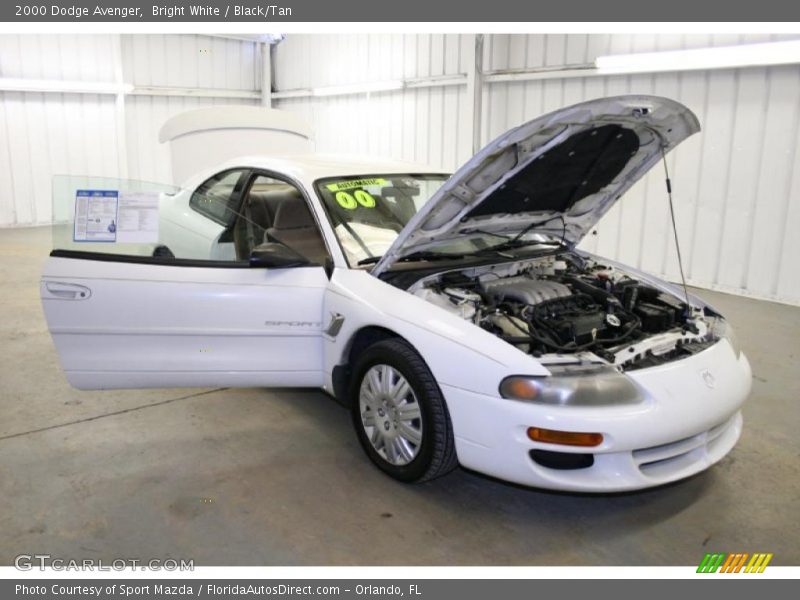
{"x": 736, "y": 185}
{"x": 70, "y": 57}
{"x": 184, "y": 61}
{"x": 50, "y": 134}
{"x": 304, "y": 61}
{"x": 43, "y": 134}
{"x": 47, "y": 134}
{"x": 422, "y": 125}
{"x": 191, "y": 61}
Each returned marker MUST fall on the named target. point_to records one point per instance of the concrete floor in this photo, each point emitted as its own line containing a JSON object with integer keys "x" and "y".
{"x": 276, "y": 477}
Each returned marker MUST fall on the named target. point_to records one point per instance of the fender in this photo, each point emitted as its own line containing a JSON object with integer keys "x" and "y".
{"x": 444, "y": 341}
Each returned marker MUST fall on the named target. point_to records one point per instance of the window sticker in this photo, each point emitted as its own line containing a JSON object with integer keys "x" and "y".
{"x": 345, "y": 200}
{"x": 96, "y": 216}
{"x": 352, "y": 184}
{"x": 137, "y": 221}
{"x": 351, "y": 201}
{"x": 365, "y": 199}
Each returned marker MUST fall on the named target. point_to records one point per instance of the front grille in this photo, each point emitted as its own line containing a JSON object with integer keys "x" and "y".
{"x": 663, "y": 460}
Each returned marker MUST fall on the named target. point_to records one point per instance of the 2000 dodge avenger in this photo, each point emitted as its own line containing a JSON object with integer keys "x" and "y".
{"x": 453, "y": 314}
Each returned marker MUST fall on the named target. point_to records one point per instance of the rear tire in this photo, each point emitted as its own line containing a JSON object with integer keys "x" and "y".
{"x": 400, "y": 415}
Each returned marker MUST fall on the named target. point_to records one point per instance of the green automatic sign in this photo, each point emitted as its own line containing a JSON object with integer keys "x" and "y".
{"x": 351, "y": 184}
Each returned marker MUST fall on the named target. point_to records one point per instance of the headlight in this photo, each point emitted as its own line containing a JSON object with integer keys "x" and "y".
{"x": 574, "y": 385}
{"x": 720, "y": 328}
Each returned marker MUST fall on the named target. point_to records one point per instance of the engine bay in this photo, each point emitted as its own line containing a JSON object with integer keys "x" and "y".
{"x": 570, "y": 306}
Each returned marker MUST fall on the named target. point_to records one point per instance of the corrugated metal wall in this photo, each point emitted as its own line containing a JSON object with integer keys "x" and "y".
{"x": 737, "y": 188}
{"x": 185, "y": 61}
{"x": 44, "y": 133}
{"x": 425, "y": 125}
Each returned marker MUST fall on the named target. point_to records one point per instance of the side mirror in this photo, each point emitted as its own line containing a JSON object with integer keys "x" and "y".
{"x": 276, "y": 256}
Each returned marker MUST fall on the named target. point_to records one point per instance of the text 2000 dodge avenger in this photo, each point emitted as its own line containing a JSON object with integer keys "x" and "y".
{"x": 452, "y": 313}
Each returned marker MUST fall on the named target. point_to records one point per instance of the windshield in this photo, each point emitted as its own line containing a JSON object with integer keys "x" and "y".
{"x": 367, "y": 213}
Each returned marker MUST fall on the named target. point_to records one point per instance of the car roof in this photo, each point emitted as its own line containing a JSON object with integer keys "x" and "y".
{"x": 318, "y": 166}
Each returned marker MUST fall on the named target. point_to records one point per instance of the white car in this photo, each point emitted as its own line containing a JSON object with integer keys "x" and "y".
{"x": 452, "y": 314}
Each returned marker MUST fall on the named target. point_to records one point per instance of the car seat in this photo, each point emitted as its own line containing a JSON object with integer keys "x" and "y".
{"x": 294, "y": 226}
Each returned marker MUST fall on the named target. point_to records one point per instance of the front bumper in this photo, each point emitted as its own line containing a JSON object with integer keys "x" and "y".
{"x": 690, "y": 420}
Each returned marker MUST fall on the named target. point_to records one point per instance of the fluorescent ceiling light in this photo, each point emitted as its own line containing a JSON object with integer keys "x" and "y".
{"x": 358, "y": 88}
{"x": 10, "y": 84}
{"x": 722, "y": 57}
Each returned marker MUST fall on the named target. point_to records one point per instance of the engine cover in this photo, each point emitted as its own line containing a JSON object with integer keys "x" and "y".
{"x": 525, "y": 290}
{"x": 571, "y": 320}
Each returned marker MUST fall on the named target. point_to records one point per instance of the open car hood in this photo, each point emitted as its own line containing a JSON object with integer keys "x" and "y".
{"x": 557, "y": 174}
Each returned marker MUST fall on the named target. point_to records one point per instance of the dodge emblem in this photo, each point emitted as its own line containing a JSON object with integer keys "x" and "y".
{"x": 708, "y": 378}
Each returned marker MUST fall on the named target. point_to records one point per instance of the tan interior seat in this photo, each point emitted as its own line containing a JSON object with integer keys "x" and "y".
{"x": 294, "y": 226}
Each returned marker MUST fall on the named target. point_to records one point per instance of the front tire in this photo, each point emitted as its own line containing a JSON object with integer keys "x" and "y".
{"x": 400, "y": 415}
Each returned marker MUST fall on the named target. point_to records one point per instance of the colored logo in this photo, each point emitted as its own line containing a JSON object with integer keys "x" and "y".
{"x": 737, "y": 562}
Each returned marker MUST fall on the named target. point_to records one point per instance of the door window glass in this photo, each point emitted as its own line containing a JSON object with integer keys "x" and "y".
{"x": 275, "y": 211}
{"x": 128, "y": 220}
{"x": 217, "y": 198}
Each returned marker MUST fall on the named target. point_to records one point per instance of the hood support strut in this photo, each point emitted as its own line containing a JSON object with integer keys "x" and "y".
{"x": 675, "y": 229}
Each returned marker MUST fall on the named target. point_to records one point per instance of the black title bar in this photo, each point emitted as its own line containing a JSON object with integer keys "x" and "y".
{"x": 281, "y": 11}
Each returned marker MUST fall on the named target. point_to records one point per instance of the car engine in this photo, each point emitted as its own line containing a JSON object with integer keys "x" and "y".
{"x": 568, "y": 305}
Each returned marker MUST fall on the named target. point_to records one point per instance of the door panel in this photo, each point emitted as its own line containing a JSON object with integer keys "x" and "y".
{"x": 134, "y": 325}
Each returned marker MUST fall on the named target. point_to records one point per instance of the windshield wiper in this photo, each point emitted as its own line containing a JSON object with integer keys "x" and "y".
{"x": 427, "y": 255}
{"x": 420, "y": 255}
{"x": 513, "y": 244}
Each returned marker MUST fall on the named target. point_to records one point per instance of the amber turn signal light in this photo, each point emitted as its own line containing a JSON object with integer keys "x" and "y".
{"x": 565, "y": 438}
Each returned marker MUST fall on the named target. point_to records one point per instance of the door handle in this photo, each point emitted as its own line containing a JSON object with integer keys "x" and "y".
{"x": 67, "y": 291}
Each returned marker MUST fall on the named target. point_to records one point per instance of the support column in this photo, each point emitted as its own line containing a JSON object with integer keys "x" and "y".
{"x": 475, "y": 90}
{"x": 266, "y": 75}
{"x": 119, "y": 109}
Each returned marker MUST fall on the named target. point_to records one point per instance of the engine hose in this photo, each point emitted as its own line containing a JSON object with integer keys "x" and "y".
{"x": 590, "y": 290}
{"x": 567, "y": 348}
{"x": 529, "y": 337}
